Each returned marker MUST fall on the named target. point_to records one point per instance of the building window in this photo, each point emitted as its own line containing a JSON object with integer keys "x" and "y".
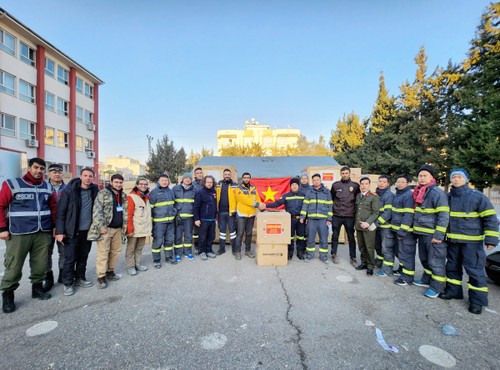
{"x": 28, "y": 55}
{"x": 79, "y": 143}
{"x": 62, "y": 75}
{"x": 49, "y": 67}
{"x": 8, "y": 125}
{"x": 7, "y": 42}
{"x": 79, "y": 85}
{"x": 79, "y": 114}
{"x": 50, "y": 101}
{"x": 27, "y": 130}
{"x": 62, "y": 139}
{"x": 62, "y": 107}
{"x": 49, "y": 135}
{"x": 26, "y": 91}
{"x": 89, "y": 145}
{"x": 7, "y": 83}
{"x": 89, "y": 91}
{"x": 89, "y": 117}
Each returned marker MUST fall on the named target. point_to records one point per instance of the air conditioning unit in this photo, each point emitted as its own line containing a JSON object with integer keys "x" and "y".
{"x": 91, "y": 155}
{"x": 90, "y": 127}
{"x": 32, "y": 143}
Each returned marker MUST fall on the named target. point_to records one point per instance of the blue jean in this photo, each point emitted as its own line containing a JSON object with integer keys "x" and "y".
{"x": 163, "y": 235}
{"x": 320, "y": 227}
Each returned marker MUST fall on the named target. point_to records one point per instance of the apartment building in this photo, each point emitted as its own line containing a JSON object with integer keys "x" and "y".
{"x": 254, "y": 132}
{"x": 49, "y": 103}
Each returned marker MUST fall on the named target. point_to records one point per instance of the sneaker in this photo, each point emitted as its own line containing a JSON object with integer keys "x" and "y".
{"x": 211, "y": 255}
{"x": 101, "y": 283}
{"x": 157, "y": 265}
{"x": 132, "y": 271}
{"x": 396, "y": 273}
{"x": 190, "y": 257}
{"x": 430, "y": 293}
{"x": 84, "y": 283}
{"x": 308, "y": 260}
{"x": 301, "y": 257}
{"x": 335, "y": 259}
{"x": 354, "y": 262}
{"x": 69, "y": 290}
{"x": 249, "y": 254}
{"x": 326, "y": 262}
{"x": 203, "y": 256}
{"x": 400, "y": 282}
{"x": 112, "y": 276}
{"x": 178, "y": 258}
{"x": 221, "y": 251}
{"x": 420, "y": 283}
{"x": 141, "y": 268}
{"x": 171, "y": 260}
{"x": 237, "y": 255}
{"x": 380, "y": 273}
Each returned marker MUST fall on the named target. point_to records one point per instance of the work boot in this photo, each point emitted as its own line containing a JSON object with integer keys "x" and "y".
{"x": 221, "y": 250}
{"x": 49, "y": 281}
{"x": 59, "y": 278}
{"x": 8, "y": 305}
{"x": 38, "y": 292}
{"x": 249, "y": 254}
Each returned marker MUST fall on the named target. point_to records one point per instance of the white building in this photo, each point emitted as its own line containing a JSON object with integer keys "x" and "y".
{"x": 48, "y": 102}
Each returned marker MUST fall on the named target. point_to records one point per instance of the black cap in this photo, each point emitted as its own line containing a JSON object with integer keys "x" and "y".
{"x": 294, "y": 180}
{"x": 428, "y": 168}
{"x": 55, "y": 167}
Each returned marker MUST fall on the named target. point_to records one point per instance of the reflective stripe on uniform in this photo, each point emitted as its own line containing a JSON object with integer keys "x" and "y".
{"x": 408, "y": 272}
{"x": 454, "y": 281}
{"x": 483, "y": 289}
{"x": 387, "y": 263}
{"x": 441, "y": 279}
{"x": 471, "y": 238}
{"x": 163, "y": 219}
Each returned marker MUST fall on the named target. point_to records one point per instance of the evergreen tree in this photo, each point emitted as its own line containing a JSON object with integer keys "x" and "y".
{"x": 166, "y": 159}
{"x": 348, "y": 135}
{"x": 385, "y": 108}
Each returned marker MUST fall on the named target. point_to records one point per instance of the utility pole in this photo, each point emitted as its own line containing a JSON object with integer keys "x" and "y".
{"x": 150, "y": 150}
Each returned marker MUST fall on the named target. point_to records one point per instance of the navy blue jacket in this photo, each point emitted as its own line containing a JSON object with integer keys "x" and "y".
{"x": 403, "y": 209}
{"x": 205, "y": 205}
{"x": 292, "y": 201}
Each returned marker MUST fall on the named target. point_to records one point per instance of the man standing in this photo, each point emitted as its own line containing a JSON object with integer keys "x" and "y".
{"x": 163, "y": 211}
{"x": 384, "y": 238}
{"x": 29, "y": 203}
{"x": 109, "y": 226}
{"x": 55, "y": 179}
{"x": 184, "y": 200}
{"x": 432, "y": 214}
{"x": 317, "y": 207}
{"x": 197, "y": 185}
{"x": 293, "y": 201}
{"x": 473, "y": 222}
{"x": 226, "y": 207}
{"x": 246, "y": 207}
{"x": 205, "y": 213}
{"x": 74, "y": 216}
{"x": 344, "y": 193}
{"x": 304, "y": 183}
{"x": 367, "y": 211}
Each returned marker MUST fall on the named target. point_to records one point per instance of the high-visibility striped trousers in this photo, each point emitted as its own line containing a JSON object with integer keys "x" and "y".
{"x": 472, "y": 258}
{"x": 433, "y": 259}
{"x": 407, "y": 248}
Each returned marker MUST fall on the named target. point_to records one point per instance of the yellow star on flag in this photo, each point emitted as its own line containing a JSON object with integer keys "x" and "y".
{"x": 269, "y": 193}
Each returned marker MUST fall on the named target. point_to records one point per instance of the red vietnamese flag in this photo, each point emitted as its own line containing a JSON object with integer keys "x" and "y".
{"x": 270, "y": 190}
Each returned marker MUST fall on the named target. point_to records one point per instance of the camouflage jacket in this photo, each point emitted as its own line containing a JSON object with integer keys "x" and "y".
{"x": 103, "y": 213}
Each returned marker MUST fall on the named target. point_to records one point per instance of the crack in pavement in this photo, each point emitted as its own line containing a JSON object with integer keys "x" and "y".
{"x": 298, "y": 333}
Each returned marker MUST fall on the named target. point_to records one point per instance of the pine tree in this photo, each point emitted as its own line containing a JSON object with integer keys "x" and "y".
{"x": 166, "y": 159}
{"x": 385, "y": 108}
{"x": 348, "y": 135}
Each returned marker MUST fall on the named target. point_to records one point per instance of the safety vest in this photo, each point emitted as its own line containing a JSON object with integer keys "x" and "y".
{"x": 29, "y": 210}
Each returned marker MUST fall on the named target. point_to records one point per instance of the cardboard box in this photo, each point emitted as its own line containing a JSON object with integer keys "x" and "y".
{"x": 271, "y": 254}
{"x": 273, "y": 227}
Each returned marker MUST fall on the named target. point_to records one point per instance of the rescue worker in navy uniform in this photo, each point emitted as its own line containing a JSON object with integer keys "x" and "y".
{"x": 383, "y": 234}
{"x": 226, "y": 211}
{"x": 430, "y": 221}
{"x": 184, "y": 200}
{"x": 31, "y": 208}
{"x": 293, "y": 201}
{"x": 473, "y": 222}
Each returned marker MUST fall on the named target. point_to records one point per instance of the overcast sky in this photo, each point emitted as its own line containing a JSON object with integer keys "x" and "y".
{"x": 188, "y": 68}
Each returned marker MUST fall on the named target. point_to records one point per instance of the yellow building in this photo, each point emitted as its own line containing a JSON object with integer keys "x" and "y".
{"x": 254, "y": 132}
{"x": 128, "y": 167}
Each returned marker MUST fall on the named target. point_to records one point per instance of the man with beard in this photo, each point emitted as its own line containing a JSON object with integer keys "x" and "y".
{"x": 226, "y": 209}
{"x": 205, "y": 213}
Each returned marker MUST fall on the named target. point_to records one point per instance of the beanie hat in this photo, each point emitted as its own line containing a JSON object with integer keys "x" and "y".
{"x": 460, "y": 171}
{"x": 428, "y": 168}
{"x": 187, "y": 174}
{"x": 294, "y": 180}
{"x": 139, "y": 179}
{"x": 55, "y": 167}
{"x": 304, "y": 175}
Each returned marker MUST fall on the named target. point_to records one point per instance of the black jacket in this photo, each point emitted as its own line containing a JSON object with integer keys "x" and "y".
{"x": 344, "y": 198}
{"x": 68, "y": 208}
{"x": 205, "y": 204}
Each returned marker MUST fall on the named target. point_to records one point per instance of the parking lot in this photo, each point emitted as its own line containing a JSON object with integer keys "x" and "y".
{"x": 229, "y": 314}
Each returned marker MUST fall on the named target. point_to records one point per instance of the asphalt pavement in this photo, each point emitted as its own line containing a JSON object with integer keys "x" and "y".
{"x": 229, "y": 314}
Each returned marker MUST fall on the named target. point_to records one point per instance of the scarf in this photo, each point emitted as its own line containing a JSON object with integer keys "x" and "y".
{"x": 419, "y": 192}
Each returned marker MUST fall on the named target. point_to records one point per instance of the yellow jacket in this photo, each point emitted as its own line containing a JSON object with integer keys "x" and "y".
{"x": 247, "y": 201}
{"x": 231, "y": 190}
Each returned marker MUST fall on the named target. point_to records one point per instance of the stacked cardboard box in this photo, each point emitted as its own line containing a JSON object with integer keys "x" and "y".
{"x": 273, "y": 237}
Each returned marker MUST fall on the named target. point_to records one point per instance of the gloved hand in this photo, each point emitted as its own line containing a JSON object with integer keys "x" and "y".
{"x": 372, "y": 227}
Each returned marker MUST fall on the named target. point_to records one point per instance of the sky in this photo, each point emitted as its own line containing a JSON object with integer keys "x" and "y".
{"x": 191, "y": 67}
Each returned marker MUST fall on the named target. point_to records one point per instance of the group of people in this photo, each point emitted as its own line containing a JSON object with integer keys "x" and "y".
{"x": 36, "y": 215}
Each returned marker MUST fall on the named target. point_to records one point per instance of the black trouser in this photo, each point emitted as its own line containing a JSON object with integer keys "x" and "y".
{"x": 298, "y": 229}
{"x": 244, "y": 226}
{"x": 206, "y": 236}
{"x": 76, "y": 253}
{"x": 378, "y": 245}
{"x": 348, "y": 223}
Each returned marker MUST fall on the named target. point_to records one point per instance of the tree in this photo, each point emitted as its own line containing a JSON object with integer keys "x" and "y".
{"x": 348, "y": 135}
{"x": 384, "y": 110}
{"x": 166, "y": 159}
{"x": 253, "y": 150}
{"x": 478, "y": 96}
{"x": 194, "y": 158}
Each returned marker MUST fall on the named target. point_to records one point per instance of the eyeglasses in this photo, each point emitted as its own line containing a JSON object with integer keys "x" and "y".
{"x": 141, "y": 184}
